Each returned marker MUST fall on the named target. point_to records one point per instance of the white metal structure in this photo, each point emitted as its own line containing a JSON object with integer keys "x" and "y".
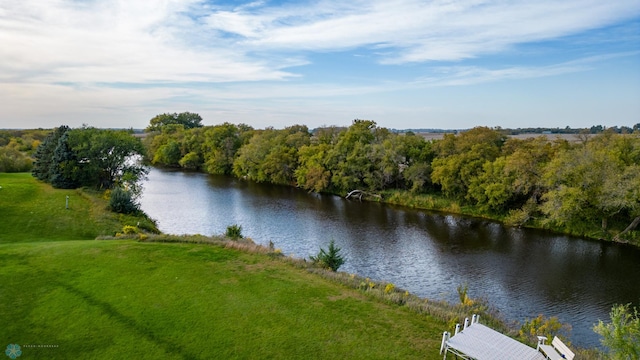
{"x": 478, "y": 342}
{"x": 557, "y": 350}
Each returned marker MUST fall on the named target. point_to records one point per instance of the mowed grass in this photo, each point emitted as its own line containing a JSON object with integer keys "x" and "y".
{"x": 125, "y": 299}
{"x": 33, "y": 211}
{"x": 62, "y": 297}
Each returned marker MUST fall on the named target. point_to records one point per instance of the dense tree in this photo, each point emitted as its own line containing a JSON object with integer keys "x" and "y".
{"x": 349, "y": 160}
{"x": 525, "y": 162}
{"x": 221, "y": 143}
{"x": 168, "y": 154}
{"x": 272, "y": 155}
{"x": 416, "y": 169}
{"x": 592, "y": 182}
{"x": 567, "y": 186}
{"x": 312, "y": 173}
{"x": 191, "y": 161}
{"x": 65, "y": 165}
{"x": 44, "y": 167}
{"x": 491, "y": 188}
{"x": 514, "y": 180}
{"x": 186, "y": 119}
{"x": 89, "y": 157}
{"x": 160, "y": 152}
{"x": 107, "y": 158}
{"x": 461, "y": 158}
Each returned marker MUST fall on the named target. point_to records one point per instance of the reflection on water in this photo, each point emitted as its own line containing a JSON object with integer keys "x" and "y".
{"x": 521, "y": 272}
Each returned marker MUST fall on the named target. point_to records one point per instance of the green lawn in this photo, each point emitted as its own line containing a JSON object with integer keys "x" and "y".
{"x": 33, "y": 211}
{"x": 126, "y": 299}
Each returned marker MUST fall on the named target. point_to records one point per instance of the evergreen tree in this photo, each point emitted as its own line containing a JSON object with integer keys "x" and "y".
{"x": 43, "y": 166}
{"x": 63, "y": 165}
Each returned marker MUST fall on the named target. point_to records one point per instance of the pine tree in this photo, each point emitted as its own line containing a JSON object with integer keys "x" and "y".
{"x": 64, "y": 165}
{"x": 43, "y": 167}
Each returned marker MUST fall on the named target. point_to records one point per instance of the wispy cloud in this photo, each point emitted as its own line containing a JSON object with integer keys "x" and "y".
{"x": 180, "y": 41}
{"x": 132, "y": 41}
{"x": 470, "y": 75}
{"x": 418, "y": 30}
{"x": 141, "y": 55}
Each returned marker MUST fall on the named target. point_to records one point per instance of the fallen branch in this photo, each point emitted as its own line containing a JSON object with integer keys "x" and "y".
{"x": 631, "y": 227}
{"x": 359, "y": 193}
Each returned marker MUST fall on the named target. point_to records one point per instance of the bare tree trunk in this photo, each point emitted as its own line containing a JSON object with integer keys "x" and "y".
{"x": 631, "y": 227}
{"x": 359, "y": 193}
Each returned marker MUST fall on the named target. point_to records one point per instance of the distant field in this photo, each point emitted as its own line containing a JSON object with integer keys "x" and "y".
{"x": 568, "y": 137}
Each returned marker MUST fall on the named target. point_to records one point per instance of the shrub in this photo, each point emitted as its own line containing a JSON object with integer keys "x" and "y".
{"x": 14, "y": 161}
{"x": 622, "y": 335}
{"x": 130, "y": 230}
{"x": 121, "y": 201}
{"x": 464, "y": 296}
{"x": 330, "y": 259}
{"x": 389, "y": 288}
{"x": 234, "y": 232}
{"x": 543, "y": 326}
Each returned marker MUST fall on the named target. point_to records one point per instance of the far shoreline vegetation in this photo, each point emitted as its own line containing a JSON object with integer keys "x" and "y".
{"x": 581, "y": 182}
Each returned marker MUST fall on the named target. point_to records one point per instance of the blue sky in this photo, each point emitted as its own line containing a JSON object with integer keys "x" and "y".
{"x": 402, "y": 63}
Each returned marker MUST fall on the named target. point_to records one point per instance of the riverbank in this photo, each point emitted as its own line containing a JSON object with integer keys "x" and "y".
{"x": 431, "y": 202}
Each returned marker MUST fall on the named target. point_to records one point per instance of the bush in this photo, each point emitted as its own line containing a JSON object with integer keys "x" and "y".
{"x": 130, "y": 230}
{"x": 330, "y": 259}
{"x": 14, "y": 161}
{"x": 234, "y": 232}
{"x": 121, "y": 201}
{"x": 622, "y": 335}
{"x": 543, "y": 326}
{"x": 463, "y": 295}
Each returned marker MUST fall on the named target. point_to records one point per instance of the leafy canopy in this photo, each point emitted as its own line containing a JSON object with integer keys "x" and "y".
{"x": 187, "y": 119}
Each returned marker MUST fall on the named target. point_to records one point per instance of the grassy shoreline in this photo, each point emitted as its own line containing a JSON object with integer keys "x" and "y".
{"x": 431, "y": 202}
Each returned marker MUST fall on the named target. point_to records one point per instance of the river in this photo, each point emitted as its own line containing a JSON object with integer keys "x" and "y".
{"x": 521, "y": 272}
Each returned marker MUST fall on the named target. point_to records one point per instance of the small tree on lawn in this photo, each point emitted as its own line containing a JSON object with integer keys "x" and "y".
{"x": 330, "y": 258}
{"x": 234, "y": 232}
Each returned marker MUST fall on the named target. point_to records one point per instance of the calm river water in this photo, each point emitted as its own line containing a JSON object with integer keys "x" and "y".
{"x": 521, "y": 272}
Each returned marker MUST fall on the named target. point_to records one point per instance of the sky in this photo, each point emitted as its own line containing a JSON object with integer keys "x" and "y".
{"x": 406, "y": 64}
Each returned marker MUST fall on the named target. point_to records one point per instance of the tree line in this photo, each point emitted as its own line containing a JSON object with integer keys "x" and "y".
{"x": 590, "y": 187}
{"x": 101, "y": 159}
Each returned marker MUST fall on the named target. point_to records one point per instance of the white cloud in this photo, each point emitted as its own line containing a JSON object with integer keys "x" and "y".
{"x": 118, "y": 41}
{"x": 134, "y": 58}
{"x": 422, "y": 30}
{"x": 188, "y": 41}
